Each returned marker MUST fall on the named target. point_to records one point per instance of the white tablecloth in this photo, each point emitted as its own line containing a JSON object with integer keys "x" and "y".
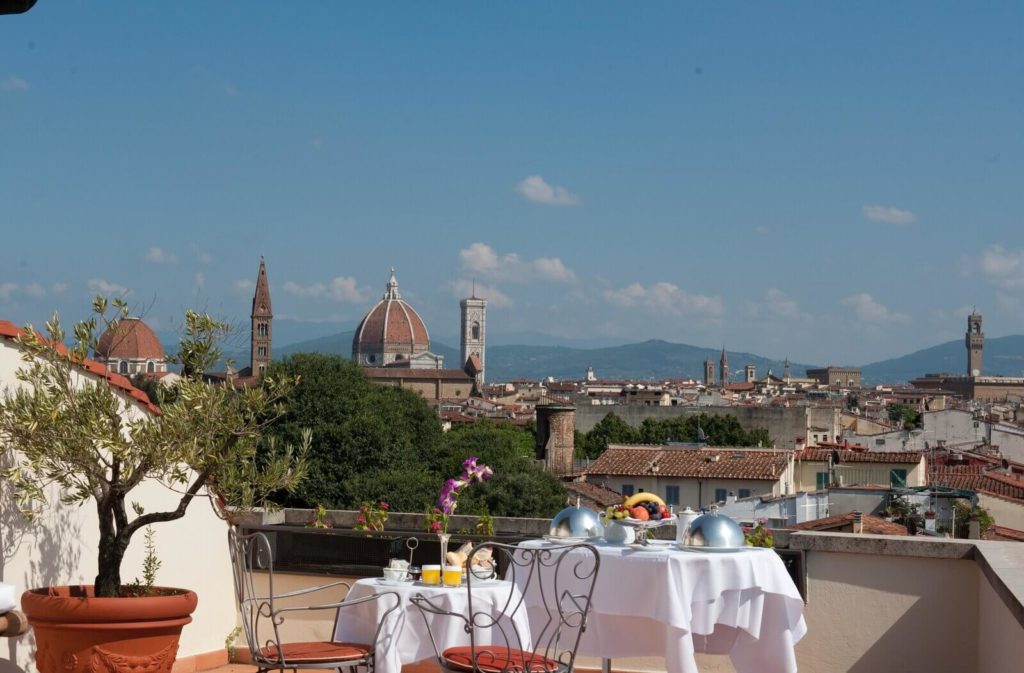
{"x": 674, "y": 603}
{"x": 404, "y": 638}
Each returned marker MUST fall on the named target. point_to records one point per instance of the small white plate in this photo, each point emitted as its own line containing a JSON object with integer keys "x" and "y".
{"x": 488, "y": 582}
{"x": 383, "y": 581}
{"x": 646, "y": 547}
{"x": 569, "y": 540}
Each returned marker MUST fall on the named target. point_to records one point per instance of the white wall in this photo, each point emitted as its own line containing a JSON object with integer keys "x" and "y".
{"x": 60, "y": 547}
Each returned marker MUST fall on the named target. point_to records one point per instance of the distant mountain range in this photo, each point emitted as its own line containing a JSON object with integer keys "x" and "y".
{"x": 650, "y": 360}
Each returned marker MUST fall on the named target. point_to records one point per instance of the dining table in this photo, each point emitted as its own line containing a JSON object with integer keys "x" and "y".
{"x": 671, "y": 601}
{"x": 405, "y": 634}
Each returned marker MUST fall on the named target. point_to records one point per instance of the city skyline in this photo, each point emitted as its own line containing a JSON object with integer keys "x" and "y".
{"x": 836, "y": 185}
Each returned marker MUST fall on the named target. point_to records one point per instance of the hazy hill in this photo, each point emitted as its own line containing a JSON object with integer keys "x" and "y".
{"x": 1003, "y": 356}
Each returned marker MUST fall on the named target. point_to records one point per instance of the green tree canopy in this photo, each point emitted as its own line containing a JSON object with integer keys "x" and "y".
{"x": 718, "y": 431}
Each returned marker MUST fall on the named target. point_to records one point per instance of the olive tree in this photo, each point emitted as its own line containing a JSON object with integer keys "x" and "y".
{"x": 73, "y": 432}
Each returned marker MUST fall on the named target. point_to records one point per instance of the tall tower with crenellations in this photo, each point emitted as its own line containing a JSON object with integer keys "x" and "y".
{"x": 709, "y": 372}
{"x": 975, "y": 342}
{"x": 262, "y": 318}
{"x": 474, "y": 331}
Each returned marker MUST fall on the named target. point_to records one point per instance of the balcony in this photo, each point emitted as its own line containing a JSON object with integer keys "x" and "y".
{"x": 873, "y": 603}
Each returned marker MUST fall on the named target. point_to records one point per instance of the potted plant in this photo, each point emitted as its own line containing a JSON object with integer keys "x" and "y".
{"x": 73, "y": 433}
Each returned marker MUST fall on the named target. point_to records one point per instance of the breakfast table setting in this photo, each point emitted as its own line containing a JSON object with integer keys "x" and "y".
{"x": 704, "y": 592}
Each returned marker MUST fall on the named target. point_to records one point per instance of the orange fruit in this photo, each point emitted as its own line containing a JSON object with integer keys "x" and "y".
{"x": 640, "y": 513}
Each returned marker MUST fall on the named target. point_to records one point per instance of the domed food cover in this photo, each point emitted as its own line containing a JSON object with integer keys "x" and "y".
{"x": 715, "y": 530}
{"x": 576, "y": 523}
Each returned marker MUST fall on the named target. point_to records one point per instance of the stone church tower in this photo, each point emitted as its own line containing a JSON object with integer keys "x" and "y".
{"x": 262, "y": 317}
{"x": 723, "y": 367}
{"x": 975, "y": 342}
{"x": 474, "y": 330}
{"x": 709, "y": 373}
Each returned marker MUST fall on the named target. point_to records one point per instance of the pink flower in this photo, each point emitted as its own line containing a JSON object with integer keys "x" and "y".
{"x": 383, "y": 505}
{"x": 361, "y": 519}
{"x": 436, "y": 526}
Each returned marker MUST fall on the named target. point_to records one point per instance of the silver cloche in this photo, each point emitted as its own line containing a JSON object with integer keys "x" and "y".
{"x": 577, "y": 522}
{"x": 715, "y": 530}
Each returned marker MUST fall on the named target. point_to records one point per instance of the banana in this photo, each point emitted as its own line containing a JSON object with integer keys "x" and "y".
{"x": 643, "y": 496}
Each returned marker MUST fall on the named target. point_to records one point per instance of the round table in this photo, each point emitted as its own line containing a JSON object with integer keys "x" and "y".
{"x": 664, "y": 601}
{"x": 404, "y": 638}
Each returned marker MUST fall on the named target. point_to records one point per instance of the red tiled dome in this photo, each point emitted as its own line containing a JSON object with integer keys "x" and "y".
{"x": 131, "y": 339}
{"x": 392, "y": 326}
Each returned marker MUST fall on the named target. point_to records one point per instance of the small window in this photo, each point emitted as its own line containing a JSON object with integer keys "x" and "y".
{"x": 671, "y": 495}
{"x": 821, "y": 481}
{"x": 627, "y": 489}
{"x": 122, "y": 367}
{"x": 879, "y": 442}
{"x": 476, "y": 331}
{"x": 720, "y": 494}
{"x": 744, "y": 492}
{"x": 263, "y": 368}
{"x": 151, "y": 367}
{"x": 898, "y": 478}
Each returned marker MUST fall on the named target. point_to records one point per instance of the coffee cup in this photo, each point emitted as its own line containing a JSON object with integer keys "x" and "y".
{"x": 395, "y": 574}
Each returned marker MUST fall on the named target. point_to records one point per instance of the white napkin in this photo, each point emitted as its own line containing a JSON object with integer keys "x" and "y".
{"x": 398, "y": 564}
{"x": 7, "y": 597}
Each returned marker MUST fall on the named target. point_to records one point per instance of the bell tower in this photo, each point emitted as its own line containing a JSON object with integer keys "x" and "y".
{"x": 709, "y": 373}
{"x": 474, "y": 330}
{"x": 723, "y": 367}
{"x": 975, "y": 342}
{"x": 262, "y": 317}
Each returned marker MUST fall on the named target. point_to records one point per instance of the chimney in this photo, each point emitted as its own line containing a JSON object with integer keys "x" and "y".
{"x": 858, "y": 521}
{"x": 973, "y": 528}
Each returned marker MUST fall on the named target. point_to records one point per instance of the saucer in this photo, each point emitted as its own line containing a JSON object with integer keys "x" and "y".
{"x": 383, "y": 581}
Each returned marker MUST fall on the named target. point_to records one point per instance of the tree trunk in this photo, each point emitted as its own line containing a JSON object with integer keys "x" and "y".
{"x": 111, "y": 552}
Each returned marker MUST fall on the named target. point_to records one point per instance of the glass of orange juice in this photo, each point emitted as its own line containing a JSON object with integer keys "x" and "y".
{"x": 431, "y": 574}
{"x": 452, "y": 576}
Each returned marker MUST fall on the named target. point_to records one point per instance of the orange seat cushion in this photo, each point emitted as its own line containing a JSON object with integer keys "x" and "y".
{"x": 317, "y": 652}
{"x": 494, "y": 659}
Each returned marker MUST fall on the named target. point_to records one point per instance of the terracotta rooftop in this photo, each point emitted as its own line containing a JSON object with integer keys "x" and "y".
{"x": 973, "y": 478}
{"x": 130, "y": 339}
{"x": 705, "y": 462}
{"x": 849, "y": 456}
{"x": 10, "y": 332}
{"x": 599, "y": 496}
{"x": 873, "y": 525}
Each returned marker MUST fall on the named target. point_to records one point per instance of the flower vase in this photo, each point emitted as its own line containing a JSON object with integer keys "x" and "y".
{"x": 443, "y": 539}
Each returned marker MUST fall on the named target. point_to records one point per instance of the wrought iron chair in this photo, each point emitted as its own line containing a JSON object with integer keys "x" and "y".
{"x": 551, "y": 586}
{"x": 262, "y": 617}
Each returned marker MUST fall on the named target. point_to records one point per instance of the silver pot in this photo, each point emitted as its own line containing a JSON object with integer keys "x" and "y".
{"x": 715, "y": 530}
{"x": 577, "y": 522}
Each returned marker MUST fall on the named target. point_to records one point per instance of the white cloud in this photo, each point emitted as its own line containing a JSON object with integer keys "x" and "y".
{"x": 35, "y": 290}
{"x": 552, "y": 268}
{"x": 13, "y": 83}
{"x": 106, "y": 287}
{"x": 160, "y": 256}
{"x": 664, "y": 296}
{"x": 200, "y": 281}
{"x": 7, "y": 290}
{"x": 1003, "y": 268}
{"x": 341, "y": 288}
{"x": 536, "y": 189}
{"x": 59, "y": 288}
{"x": 495, "y": 297}
{"x": 888, "y": 214}
{"x": 870, "y": 311}
{"x": 774, "y": 305}
{"x": 482, "y": 259}
{"x": 244, "y": 285}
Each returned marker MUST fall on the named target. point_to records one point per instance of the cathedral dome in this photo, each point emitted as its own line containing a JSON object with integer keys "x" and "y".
{"x": 131, "y": 348}
{"x": 131, "y": 339}
{"x": 391, "y": 332}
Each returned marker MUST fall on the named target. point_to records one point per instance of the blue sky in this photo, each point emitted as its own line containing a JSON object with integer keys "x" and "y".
{"x": 835, "y": 183}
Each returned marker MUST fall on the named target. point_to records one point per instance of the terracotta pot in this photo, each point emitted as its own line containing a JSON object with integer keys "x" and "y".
{"x": 78, "y": 633}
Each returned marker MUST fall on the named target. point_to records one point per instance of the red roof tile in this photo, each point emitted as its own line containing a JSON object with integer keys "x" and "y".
{"x": 706, "y": 462}
{"x": 873, "y": 525}
{"x": 848, "y": 456}
{"x": 130, "y": 339}
{"x": 971, "y": 478}
{"x": 10, "y": 332}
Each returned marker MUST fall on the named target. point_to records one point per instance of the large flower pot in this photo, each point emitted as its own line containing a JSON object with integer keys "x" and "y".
{"x": 79, "y": 633}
